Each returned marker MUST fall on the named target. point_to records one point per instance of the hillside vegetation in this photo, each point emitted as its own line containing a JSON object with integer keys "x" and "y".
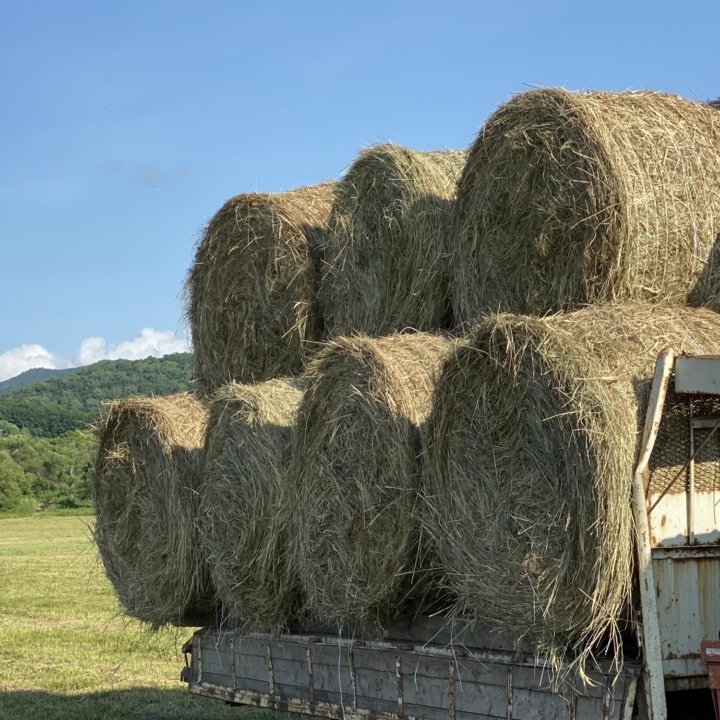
{"x": 47, "y": 442}
{"x": 32, "y": 376}
{"x": 73, "y": 401}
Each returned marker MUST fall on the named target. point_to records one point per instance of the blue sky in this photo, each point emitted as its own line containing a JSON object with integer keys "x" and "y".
{"x": 125, "y": 125}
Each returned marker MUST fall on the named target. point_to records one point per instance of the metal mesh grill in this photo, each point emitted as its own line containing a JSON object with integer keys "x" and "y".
{"x": 672, "y": 448}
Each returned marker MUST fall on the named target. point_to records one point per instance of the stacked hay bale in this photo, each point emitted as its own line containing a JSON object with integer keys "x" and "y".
{"x": 145, "y": 494}
{"x": 243, "y": 534}
{"x": 522, "y": 497}
{"x": 355, "y": 472}
{"x": 529, "y": 462}
{"x": 573, "y": 198}
{"x": 386, "y": 248}
{"x": 251, "y": 291}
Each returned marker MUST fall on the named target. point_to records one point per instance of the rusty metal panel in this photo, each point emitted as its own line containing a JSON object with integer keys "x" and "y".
{"x": 688, "y": 597}
{"x": 382, "y": 681}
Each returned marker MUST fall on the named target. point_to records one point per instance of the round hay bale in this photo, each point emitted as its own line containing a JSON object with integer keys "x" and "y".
{"x": 572, "y": 198}
{"x": 247, "y": 455}
{"x": 250, "y": 295}
{"x": 145, "y": 493}
{"x": 531, "y": 449}
{"x": 386, "y": 249}
{"x": 355, "y": 470}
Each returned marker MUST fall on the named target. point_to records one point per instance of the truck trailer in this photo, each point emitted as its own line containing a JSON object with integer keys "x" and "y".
{"x": 427, "y": 669}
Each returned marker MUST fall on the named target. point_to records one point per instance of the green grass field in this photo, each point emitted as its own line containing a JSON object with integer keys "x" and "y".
{"x": 67, "y": 652}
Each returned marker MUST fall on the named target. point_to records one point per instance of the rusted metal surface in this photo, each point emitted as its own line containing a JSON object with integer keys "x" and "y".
{"x": 271, "y": 672}
{"x": 451, "y": 691}
{"x": 400, "y": 688}
{"x": 710, "y": 651}
{"x": 572, "y": 707}
{"x": 291, "y": 705}
{"x": 311, "y": 675}
{"x": 607, "y": 699}
{"x": 509, "y": 694}
{"x": 351, "y": 666}
{"x": 688, "y": 599}
{"x": 397, "y": 682}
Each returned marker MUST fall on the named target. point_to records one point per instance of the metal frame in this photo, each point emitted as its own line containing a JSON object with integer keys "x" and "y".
{"x": 653, "y": 675}
{"x": 613, "y": 695}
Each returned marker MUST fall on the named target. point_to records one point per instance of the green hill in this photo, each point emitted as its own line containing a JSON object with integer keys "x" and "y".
{"x": 72, "y": 401}
{"x": 32, "y": 376}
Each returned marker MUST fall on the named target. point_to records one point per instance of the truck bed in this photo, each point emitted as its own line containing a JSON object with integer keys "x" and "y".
{"x": 343, "y": 678}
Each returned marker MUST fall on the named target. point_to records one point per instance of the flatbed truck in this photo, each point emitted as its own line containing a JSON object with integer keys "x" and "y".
{"x": 425, "y": 670}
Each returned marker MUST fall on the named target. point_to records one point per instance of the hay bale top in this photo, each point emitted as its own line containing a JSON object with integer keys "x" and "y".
{"x": 250, "y": 295}
{"x": 569, "y": 198}
{"x": 531, "y": 450}
{"x": 177, "y": 421}
{"x": 272, "y": 402}
{"x": 385, "y": 253}
{"x": 398, "y": 369}
{"x": 605, "y": 334}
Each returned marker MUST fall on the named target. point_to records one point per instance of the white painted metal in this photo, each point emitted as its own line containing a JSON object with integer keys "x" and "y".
{"x": 688, "y": 598}
{"x": 668, "y": 521}
{"x": 654, "y": 681}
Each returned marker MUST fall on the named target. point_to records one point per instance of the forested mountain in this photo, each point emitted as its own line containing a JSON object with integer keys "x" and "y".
{"x": 32, "y": 376}
{"x": 47, "y": 449}
{"x": 73, "y": 401}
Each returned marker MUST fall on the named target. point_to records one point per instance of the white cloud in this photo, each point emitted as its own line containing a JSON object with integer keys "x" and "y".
{"x": 26, "y": 357}
{"x": 148, "y": 342}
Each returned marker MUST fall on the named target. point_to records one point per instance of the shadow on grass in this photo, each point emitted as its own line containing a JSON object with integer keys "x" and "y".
{"x": 132, "y": 704}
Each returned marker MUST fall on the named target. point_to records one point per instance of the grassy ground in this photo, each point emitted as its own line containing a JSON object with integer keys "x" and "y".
{"x": 66, "y": 650}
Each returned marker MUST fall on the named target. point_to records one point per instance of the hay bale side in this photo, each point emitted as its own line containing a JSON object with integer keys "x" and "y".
{"x": 572, "y": 198}
{"x": 247, "y": 455}
{"x": 531, "y": 449}
{"x": 386, "y": 249}
{"x": 355, "y": 471}
{"x": 145, "y": 494}
{"x": 250, "y": 295}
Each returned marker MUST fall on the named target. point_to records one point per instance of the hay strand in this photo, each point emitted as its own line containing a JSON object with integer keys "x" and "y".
{"x": 250, "y": 295}
{"x": 247, "y": 455}
{"x": 145, "y": 495}
{"x": 531, "y": 451}
{"x": 572, "y": 198}
{"x": 355, "y": 471}
{"x": 386, "y": 249}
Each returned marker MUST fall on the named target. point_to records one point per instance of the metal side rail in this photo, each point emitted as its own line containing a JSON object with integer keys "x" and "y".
{"x": 344, "y": 679}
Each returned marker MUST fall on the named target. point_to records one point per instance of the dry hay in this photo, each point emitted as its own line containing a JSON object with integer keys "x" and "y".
{"x": 250, "y": 295}
{"x": 386, "y": 250}
{"x": 529, "y": 464}
{"x": 145, "y": 493}
{"x": 247, "y": 455}
{"x": 571, "y": 198}
{"x": 355, "y": 470}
